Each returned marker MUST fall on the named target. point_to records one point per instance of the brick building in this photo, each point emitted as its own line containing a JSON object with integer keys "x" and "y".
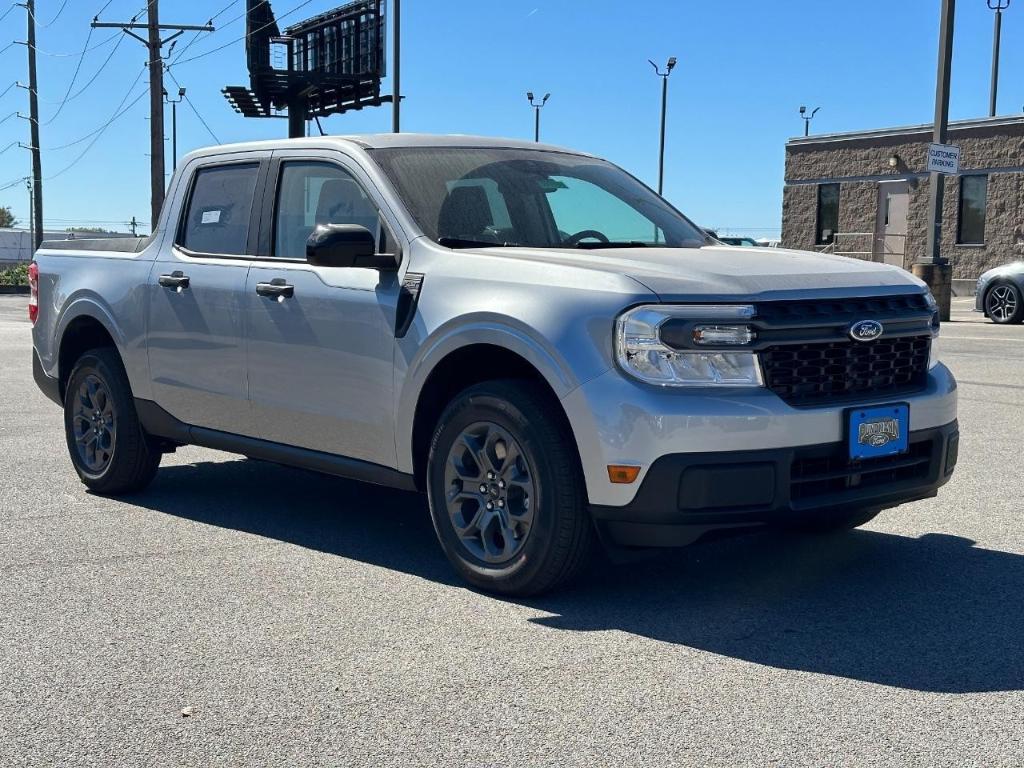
{"x": 866, "y": 195}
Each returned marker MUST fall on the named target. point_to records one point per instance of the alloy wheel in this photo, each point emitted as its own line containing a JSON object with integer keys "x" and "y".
{"x": 1001, "y": 303}
{"x": 94, "y": 424}
{"x": 490, "y": 492}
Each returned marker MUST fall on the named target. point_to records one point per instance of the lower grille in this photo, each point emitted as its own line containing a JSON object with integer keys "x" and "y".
{"x": 817, "y": 475}
{"x": 806, "y": 374}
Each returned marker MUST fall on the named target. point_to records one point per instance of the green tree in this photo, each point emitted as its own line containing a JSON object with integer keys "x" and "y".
{"x": 7, "y": 218}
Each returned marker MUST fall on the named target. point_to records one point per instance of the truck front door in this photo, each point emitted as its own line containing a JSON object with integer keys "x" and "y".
{"x": 197, "y": 297}
{"x": 320, "y": 339}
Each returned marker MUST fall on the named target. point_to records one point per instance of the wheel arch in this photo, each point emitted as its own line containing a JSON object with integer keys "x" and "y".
{"x": 80, "y": 332}
{"x": 459, "y": 369}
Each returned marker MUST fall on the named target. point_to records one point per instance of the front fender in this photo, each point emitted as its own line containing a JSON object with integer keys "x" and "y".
{"x": 482, "y": 328}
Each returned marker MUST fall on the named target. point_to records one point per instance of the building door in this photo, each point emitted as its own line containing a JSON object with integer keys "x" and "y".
{"x": 891, "y": 225}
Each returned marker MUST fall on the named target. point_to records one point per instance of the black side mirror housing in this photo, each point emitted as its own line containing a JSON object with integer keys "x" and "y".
{"x": 346, "y": 245}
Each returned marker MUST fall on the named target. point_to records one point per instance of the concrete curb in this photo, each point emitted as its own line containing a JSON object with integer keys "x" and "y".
{"x": 21, "y": 289}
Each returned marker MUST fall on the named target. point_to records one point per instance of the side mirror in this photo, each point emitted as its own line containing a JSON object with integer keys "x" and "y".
{"x": 345, "y": 245}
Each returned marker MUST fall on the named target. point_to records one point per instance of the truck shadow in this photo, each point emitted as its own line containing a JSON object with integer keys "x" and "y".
{"x": 933, "y": 613}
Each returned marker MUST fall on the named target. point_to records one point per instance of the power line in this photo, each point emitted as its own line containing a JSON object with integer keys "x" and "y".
{"x": 62, "y": 55}
{"x": 74, "y": 77}
{"x": 212, "y": 18}
{"x": 243, "y": 37}
{"x": 193, "y": 107}
{"x": 92, "y": 143}
{"x": 54, "y": 19}
{"x": 103, "y": 127}
{"x": 5, "y": 13}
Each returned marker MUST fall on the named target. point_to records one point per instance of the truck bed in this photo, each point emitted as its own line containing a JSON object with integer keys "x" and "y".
{"x": 114, "y": 244}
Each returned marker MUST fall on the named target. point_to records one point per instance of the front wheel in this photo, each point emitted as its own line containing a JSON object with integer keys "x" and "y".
{"x": 109, "y": 449}
{"x": 506, "y": 491}
{"x": 1003, "y": 304}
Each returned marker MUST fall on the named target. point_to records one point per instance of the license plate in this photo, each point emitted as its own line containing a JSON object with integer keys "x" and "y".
{"x": 878, "y": 431}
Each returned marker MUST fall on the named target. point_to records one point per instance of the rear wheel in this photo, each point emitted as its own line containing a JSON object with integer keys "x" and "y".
{"x": 1004, "y": 304}
{"x": 825, "y": 522}
{"x": 109, "y": 449}
{"x": 506, "y": 492}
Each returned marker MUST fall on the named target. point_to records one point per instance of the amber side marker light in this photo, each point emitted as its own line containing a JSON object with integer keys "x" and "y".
{"x": 622, "y": 473}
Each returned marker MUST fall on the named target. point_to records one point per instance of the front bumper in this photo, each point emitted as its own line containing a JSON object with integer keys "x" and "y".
{"x": 685, "y": 496}
{"x": 617, "y": 420}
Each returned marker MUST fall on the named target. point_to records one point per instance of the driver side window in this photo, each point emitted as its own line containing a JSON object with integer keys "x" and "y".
{"x": 312, "y": 193}
{"x": 576, "y": 204}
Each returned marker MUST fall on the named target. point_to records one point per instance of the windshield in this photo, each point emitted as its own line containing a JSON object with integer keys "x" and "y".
{"x": 464, "y": 197}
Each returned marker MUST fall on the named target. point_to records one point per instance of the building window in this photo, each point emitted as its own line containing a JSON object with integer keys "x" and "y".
{"x": 973, "y": 199}
{"x": 828, "y": 214}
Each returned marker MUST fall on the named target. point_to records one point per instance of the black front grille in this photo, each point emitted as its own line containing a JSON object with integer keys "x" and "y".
{"x": 814, "y": 474}
{"x": 803, "y": 374}
{"x": 830, "y": 310}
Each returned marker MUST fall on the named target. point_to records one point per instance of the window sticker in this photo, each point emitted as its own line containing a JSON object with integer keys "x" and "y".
{"x": 211, "y": 217}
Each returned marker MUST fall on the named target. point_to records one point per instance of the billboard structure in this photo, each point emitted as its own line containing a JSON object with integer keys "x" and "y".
{"x": 326, "y": 65}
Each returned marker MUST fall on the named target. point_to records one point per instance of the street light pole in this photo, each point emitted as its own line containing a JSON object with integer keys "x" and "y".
{"x": 807, "y": 119}
{"x": 998, "y": 6}
{"x": 174, "y": 125}
{"x": 664, "y": 108}
{"x": 536, "y": 112}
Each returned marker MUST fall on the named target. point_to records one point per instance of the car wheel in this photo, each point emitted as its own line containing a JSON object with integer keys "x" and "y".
{"x": 506, "y": 491}
{"x": 825, "y": 522}
{"x": 1003, "y": 303}
{"x": 109, "y": 449}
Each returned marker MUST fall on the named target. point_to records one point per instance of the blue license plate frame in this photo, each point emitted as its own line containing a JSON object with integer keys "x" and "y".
{"x": 877, "y": 431}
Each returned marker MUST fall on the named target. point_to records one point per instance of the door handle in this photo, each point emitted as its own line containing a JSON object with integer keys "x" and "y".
{"x": 177, "y": 280}
{"x": 276, "y": 289}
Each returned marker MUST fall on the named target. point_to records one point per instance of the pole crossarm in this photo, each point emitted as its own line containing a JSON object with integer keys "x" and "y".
{"x": 179, "y": 29}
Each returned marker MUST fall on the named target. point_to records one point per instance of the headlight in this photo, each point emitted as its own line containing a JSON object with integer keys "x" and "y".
{"x": 642, "y": 353}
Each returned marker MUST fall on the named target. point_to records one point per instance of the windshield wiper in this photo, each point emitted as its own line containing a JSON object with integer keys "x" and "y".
{"x": 459, "y": 242}
{"x": 597, "y": 245}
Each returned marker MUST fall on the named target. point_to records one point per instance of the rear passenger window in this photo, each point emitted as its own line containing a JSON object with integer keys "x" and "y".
{"x": 218, "y": 212}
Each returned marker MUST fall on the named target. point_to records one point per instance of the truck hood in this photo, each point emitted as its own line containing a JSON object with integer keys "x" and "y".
{"x": 721, "y": 272}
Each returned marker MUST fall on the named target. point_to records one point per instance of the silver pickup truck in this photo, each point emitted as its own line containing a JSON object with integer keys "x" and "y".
{"x": 528, "y": 334}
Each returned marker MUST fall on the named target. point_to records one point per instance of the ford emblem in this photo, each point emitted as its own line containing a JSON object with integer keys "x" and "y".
{"x": 866, "y": 330}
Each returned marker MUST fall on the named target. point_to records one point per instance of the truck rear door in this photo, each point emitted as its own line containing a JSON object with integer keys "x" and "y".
{"x": 197, "y": 295}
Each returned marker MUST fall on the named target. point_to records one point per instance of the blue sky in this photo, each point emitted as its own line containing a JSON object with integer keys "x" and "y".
{"x": 745, "y": 66}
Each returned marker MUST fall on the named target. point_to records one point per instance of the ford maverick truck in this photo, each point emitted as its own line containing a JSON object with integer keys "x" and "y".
{"x": 549, "y": 350}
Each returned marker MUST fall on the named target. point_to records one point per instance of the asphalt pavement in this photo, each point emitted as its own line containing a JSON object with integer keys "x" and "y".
{"x": 303, "y": 620}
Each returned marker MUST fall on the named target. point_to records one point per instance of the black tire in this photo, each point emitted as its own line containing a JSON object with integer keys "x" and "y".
{"x": 560, "y": 537}
{"x": 826, "y": 522}
{"x": 130, "y": 458}
{"x": 1003, "y": 303}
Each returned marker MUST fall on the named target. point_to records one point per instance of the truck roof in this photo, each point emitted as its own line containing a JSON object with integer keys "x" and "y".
{"x": 384, "y": 140}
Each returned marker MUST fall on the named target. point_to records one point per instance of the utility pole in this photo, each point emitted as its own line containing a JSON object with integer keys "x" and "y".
{"x": 664, "y": 108}
{"x": 33, "y": 112}
{"x": 396, "y": 80}
{"x": 154, "y": 44}
{"x": 933, "y": 268}
{"x": 135, "y": 226}
{"x": 536, "y": 112}
{"x": 998, "y": 6}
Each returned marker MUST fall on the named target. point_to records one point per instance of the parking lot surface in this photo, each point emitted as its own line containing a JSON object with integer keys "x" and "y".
{"x": 307, "y": 620}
